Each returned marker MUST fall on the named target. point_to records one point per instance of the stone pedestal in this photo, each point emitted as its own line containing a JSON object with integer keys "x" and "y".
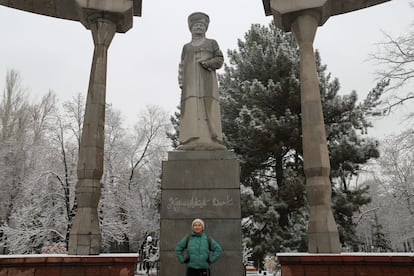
{"x": 347, "y": 264}
{"x": 206, "y": 185}
{"x": 67, "y": 265}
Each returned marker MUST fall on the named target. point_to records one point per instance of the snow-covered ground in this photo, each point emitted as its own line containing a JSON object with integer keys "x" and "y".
{"x": 153, "y": 272}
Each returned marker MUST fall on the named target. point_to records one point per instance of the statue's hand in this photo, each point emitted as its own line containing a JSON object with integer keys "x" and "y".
{"x": 205, "y": 66}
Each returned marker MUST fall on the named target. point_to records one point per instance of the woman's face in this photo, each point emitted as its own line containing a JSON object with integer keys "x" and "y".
{"x": 198, "y": 28}
{"x": 197, "y": 227}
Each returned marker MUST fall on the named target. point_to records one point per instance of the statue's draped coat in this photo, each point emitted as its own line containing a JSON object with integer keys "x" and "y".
{"x": 200, "y": 121}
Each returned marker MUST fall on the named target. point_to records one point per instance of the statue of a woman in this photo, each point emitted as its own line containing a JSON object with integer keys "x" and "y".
{"x": 200, "y": 120}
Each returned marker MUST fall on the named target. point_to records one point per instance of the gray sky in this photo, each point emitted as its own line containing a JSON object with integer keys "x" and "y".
{"x": 55, "y": 54}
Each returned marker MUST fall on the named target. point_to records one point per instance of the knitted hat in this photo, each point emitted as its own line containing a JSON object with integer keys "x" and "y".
{"x": 199, "y": 221}
{"x": 198, "y": 17}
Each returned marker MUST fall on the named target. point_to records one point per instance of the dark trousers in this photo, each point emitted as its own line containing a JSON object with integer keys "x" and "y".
{"x": 197, "y": 272}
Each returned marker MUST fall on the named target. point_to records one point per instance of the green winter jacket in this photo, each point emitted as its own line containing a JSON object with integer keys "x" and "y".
{"x": 198, "y": 251}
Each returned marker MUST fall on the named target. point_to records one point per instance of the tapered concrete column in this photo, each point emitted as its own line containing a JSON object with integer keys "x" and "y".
{"x": 322, "y": 231}
{"x": 85, "y": 238}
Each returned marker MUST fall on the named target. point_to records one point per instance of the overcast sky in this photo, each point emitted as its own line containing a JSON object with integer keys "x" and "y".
{"x": 55, "y": 54}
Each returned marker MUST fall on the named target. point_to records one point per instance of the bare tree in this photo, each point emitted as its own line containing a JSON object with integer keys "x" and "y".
{"x": 392, "y": 190}
{"x": 149, "y": 138}
{"x": 13, "y": 107}
{"x": 14, "y": 119}
{"x": 396, "y": 165}
{"x": 132, "y": 169}
{"x": 38, "y": 151}
{"x": 395, "y": 58}
{"x": 27, "y": 162}
{"x": 41, "y": 115}
{"x": 64, "y": 169}
{"x": 75, "y": 110}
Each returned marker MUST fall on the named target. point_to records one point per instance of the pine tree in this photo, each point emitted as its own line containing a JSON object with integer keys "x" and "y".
{"x": 379, "y": 241}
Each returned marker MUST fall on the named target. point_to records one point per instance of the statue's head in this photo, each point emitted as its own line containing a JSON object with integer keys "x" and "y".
{"x": 198, "y": 17}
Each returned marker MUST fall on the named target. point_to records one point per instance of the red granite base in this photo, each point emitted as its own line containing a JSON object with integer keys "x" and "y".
{"x": 395, "y": 264}
{"x": 65, "y": 265}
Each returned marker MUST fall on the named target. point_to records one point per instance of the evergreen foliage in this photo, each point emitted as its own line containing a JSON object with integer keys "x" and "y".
{"x": 380, "y": 243}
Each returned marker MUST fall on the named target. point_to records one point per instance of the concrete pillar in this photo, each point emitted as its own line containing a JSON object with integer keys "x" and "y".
{"x": 85, "y": 238}
{"x": 322, "y": 231}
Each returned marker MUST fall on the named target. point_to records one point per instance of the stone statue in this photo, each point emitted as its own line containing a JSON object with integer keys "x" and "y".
{"x": 200, "y": 120}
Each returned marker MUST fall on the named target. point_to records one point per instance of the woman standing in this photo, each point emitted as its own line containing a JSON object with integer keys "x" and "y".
{"x": 198, "y": 247}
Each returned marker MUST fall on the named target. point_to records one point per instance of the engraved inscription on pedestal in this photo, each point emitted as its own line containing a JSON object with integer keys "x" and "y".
{"x": 201, "y": 203}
